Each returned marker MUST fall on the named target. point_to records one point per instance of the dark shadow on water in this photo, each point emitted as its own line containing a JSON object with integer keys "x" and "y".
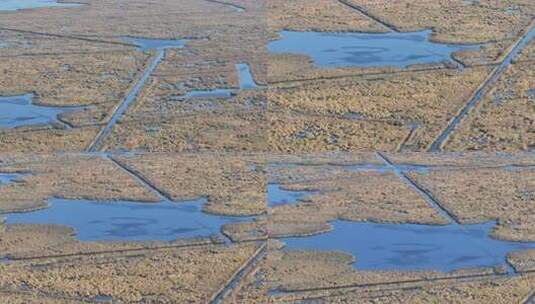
{"x": 332, "y": 50}
{"x": 129, "y": 221}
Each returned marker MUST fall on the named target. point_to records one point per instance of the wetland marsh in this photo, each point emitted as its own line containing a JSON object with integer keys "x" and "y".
{"x": 234, "y": 151}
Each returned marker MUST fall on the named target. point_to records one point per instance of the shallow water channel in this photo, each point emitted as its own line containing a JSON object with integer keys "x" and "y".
{"x": 403, "y": 246}
{"x": 16, "y": 111}
{"x": 13, "y": 5}
{"x": 332, "y": 50}
{"x": 215, "y": 93}
{"x": 246, "y": 81}
{"x": 245, "y": 76}
{"x": 128, "y": 221}
{"x": 278, "y": 196}
{"x": 145, "y": 44}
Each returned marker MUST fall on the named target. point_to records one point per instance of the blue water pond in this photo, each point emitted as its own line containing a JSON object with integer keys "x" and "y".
{"x": 404, "y": 246}
{"x": 331, "y": 50}
{"x": 16, "y": 111}
{"x": 7, "y": 178}
{"x": 13, "y": 5}
{"x": 129, "y": 221}
{"x": 413, "y": 247}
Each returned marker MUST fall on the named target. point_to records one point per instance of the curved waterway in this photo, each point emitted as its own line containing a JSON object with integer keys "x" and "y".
{"x": 333, "y": 50}
{"x": 128, "y": 221}
{"x": 13, "y": 5}
{"x": 403, "y": 246}
{"x": 16, "y": 111}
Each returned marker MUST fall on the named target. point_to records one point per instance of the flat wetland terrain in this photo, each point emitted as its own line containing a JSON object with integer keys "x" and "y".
{"x": 244, "y": 151}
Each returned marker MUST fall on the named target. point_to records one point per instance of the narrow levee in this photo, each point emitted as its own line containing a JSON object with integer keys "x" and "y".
{"x": 388, "y": 286}
{"x": 140, "y": 179}
{"x": 425, "y": 194}
{"x": 530, "y": 299}
{"x": 365, "y": 13}
{"x": 131, "y": 97}
{"x": 220, "y": 296}
{"x": 236, "y": 7}
{"x": 478, "y": 95}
